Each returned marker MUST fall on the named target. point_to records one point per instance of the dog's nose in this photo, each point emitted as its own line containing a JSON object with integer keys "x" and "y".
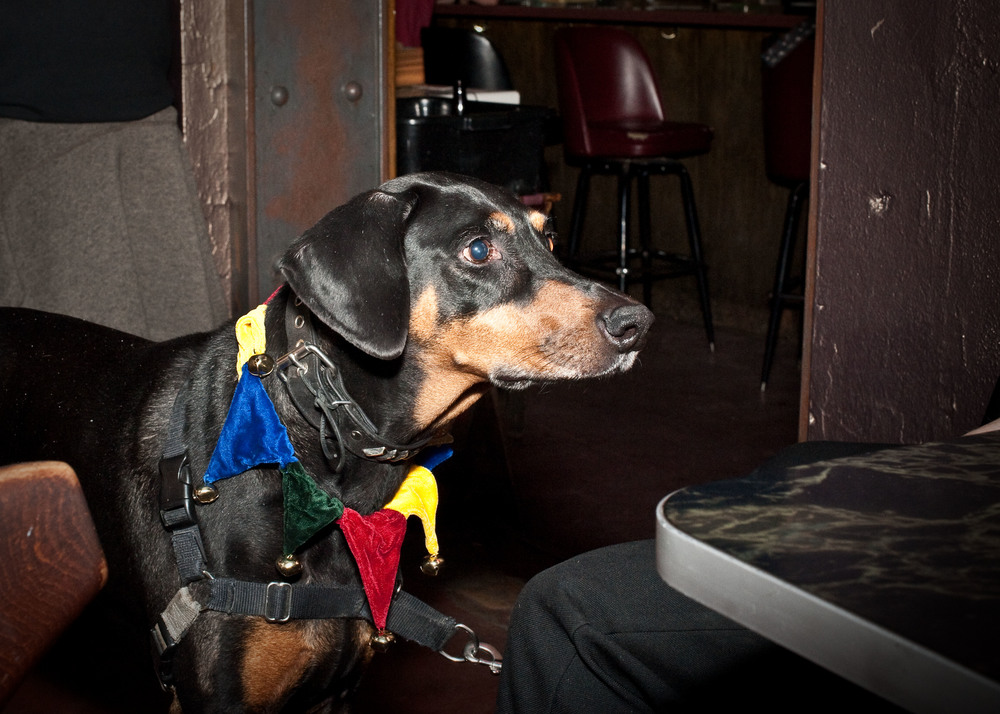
{"x": 626, "y": 325}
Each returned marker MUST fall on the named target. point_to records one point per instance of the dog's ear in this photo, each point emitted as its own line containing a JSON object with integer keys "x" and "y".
{"x": 350, "y": 271}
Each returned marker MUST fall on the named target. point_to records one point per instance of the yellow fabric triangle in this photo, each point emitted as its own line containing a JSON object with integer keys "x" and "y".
{"x": 250, "y": 336}
{"x": 418, "y": 496}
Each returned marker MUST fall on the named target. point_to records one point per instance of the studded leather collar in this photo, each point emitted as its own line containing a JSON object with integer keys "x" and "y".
{"x": 316, "y": 387}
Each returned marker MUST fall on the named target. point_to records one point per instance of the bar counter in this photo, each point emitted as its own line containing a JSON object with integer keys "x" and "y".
{"x": 628, "y": 13}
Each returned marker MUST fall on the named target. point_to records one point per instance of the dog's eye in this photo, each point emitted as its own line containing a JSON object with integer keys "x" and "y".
{"x": 550, "y": 238}
{"x": 480, "y": 251}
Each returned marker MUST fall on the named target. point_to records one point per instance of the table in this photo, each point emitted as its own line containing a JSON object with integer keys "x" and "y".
{"x": 883, "y": 568}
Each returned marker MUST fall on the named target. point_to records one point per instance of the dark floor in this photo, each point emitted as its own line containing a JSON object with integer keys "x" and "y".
{"x": 586, "y": 464}
{"x": 544, "y": 474}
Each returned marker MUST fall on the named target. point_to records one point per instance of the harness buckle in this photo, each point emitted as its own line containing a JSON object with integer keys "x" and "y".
{"x": 163, "y": 646}
{"x": 278, "y": 602}
{"x": 176, "y": 504}
{"x": 161, "y": 639}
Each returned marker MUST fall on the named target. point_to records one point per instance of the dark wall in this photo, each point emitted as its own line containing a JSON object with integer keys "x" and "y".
{"x": 906, "y": 310}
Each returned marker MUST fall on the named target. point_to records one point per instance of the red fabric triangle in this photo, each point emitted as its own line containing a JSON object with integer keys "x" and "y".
{"x": 375, "y": 541}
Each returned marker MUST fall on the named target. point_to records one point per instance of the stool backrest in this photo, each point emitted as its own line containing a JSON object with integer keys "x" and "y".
{"x": 452, "y": 53}
{"x": 603, "y": 76}
{"x": 787, "y": 111}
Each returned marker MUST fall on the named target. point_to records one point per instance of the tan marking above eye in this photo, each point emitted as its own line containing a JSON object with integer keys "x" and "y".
{"x": 502, "y": 221}
{"x": 538, "y": 220}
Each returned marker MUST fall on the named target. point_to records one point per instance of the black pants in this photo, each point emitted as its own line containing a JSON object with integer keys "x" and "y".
{"x": 603, "y": 633}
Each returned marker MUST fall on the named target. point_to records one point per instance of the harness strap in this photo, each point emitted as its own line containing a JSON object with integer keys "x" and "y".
{"x": 279, "y": 602}
{"x": 176, "y": 502}
{"x": 409, "y": 617}
{"x": 282, "y": 601}
{"x": 189, "y": 551}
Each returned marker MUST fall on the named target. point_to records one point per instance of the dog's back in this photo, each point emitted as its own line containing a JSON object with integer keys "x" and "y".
{"x": 47, "y": 362}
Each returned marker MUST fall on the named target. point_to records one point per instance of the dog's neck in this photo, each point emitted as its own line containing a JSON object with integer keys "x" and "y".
{"x": 379, "y": 388}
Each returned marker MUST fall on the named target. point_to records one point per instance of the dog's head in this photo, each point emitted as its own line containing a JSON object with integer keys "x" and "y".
{"x": 461, "y": 273}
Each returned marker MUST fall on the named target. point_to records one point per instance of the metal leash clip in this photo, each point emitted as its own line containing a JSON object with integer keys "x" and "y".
{"x": 472, "y": 652}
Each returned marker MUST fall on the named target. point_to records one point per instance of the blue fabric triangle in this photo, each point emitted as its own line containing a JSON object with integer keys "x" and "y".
{"x": 252, "y": 434}
{"x": 434, "y": 455}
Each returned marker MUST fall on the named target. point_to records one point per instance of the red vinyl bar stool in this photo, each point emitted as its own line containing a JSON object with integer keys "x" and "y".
{"x": 614, "y": 124}
{"x": 786, "y": 82}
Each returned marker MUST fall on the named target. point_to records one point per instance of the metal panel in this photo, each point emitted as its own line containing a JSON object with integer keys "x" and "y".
{"x": 320, "y": 115}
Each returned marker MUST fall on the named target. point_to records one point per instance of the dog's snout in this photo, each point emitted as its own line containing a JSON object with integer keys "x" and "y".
{"x": 626, "y": 325}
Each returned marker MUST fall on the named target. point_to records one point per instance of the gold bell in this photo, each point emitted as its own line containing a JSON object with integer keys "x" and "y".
{"x": 289, "y": 566}
{"x": 260, "y": 365}
{"x": 206, "y": 494}
{"x": 432, "y": 564}
{"x": 381, "y": 639}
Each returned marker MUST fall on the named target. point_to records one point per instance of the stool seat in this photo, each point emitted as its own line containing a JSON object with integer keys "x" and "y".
{"x": 614, "y": 124}
{"x": 645, "y": 139}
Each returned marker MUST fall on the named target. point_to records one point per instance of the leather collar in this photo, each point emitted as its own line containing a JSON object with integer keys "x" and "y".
{"x": 316, "y": 387}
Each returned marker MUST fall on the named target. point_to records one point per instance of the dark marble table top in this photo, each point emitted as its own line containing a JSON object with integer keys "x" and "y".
{"x": 906, "y": 540}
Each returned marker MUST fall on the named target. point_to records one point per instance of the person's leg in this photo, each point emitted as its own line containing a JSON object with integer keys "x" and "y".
{"x": 603, "y": 633}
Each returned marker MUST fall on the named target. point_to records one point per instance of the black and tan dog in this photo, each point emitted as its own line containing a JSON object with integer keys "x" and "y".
{"x": 424, "y": 292}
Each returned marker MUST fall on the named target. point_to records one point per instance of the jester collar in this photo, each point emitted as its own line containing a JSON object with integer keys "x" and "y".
{"x": 253, "y": 435}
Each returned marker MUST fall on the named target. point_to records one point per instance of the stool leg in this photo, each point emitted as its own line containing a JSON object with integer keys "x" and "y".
{"x": 789, "y": 233}
{"x": 645, "y": 238}
{"x": 694, "y": 239}
{"x": 624, "y": 191}
{"x": 579, "y": 210}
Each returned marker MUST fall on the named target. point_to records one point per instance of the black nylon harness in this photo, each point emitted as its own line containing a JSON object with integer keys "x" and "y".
{"x": 281, "y": 601}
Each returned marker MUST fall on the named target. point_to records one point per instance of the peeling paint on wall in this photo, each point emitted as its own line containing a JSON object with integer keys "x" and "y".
{"x": 879, "y": 204}
{"x": 212, "y": 88}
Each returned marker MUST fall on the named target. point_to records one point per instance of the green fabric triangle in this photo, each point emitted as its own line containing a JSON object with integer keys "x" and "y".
{"x": 307, "y": 507}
